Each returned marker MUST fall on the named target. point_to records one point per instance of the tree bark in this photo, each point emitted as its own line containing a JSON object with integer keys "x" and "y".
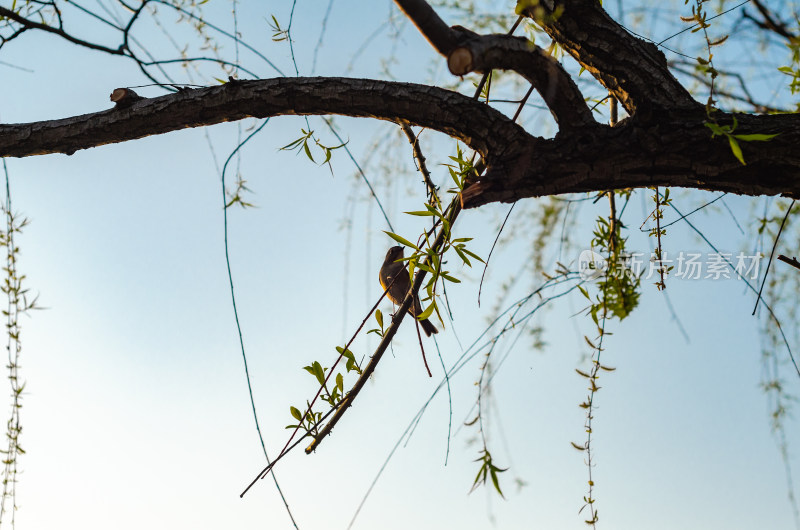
{"x": 669, "y": 149}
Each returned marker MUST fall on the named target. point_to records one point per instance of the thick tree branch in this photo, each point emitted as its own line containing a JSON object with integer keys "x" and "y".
{"x": 548, "y": 77}
{"x": 633, "y": 70}
{"x": 482, "y": 128}
{"x": 429, "y": 24}
{"x": 677, "y": 151}
{"x": 467, "y": 52}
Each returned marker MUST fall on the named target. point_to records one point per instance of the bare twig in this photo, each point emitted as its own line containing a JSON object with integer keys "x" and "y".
{"x": 422, "y": 348}
{"x": 771, "y": 254}
{"x": 791, "y": 261}
{"x": 420, "y": 158}
{"x": 612, "y": 218}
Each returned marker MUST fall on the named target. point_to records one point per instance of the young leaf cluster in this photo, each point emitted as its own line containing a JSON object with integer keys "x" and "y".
{"x": 793, "y": 70}
{"x": 487, "y": 471}
{"x": 302, "y": 144}
{"x": 734, "y": 139}
{"x": 618, "y": 287}
{"x": 18, "y": 303}
{"x": 658, "y": 214}
{"x": 331, "y": 394}
{"x": 278, "y": 34}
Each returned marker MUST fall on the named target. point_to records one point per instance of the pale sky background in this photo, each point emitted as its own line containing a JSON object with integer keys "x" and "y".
{"x": 136, "y": 412}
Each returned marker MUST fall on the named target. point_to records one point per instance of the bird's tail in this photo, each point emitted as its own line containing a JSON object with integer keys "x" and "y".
{"x": 428, "y": 328}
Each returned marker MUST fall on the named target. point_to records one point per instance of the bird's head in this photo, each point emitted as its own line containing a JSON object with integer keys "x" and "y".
{"x": 393, "y": 254}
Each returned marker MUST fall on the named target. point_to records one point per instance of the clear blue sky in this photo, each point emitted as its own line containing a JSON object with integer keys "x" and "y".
{"x": 137, "y": 413}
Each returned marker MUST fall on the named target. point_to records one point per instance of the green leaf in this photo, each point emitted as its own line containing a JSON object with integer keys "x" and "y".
{"x": 450, "y": 278}
{"x": 461, "y": 255}
{"x": 434, "y": 211}
{"x": 421, "y": 213}
{"x": 425, "y": 268}
{"x": 296, "y": 413}
{"x": 474, "y": 255}
{"x": 401, "y": 240}
{"x": 379, "y": 317}
{"x": 319, "y": 372}
{"x": 754, "y": 137}
{"x": 494, "y": 471}
{"x": 736, "y": 150}
{"x": 347, "y": 354}
{"x": 716, "y": 130}
{"x": 308, "y": 152}
{"x": 425, "y": 314}
{"x": 340, "y": 382}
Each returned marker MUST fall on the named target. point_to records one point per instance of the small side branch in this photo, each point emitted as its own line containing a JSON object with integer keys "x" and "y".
{"x": 420, "y": 158}
{"x": 467, "y": 52}
{"x": 483, "y": 53}
{"x": 30, "y": 24}
{"x": 401, "y": 312}
{"x": 791, "y": 261}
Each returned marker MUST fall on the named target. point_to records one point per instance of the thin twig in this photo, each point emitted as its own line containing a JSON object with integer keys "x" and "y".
{"x": 421, "y": 347}
{"x": 486, "y": 265}
{"x": 516, "y": 115}
{"x": 658, "y": 215}
{"x": 771, "y": 254}
{"x": 791, "y": 261}
{"x": 420, "y": 158}
{"x": 612, "y": 219}
{"x": 287, "y": 447}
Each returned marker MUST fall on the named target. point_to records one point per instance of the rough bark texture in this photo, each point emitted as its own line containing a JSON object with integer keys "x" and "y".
{"x": 481, "y": 127}
{"x": 502, "y": 52}
{"x": 675, "y": 150}
{"x": 633, "y": 70}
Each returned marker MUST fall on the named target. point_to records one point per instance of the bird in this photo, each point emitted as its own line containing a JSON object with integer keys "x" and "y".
{"x": 394, "y": 271}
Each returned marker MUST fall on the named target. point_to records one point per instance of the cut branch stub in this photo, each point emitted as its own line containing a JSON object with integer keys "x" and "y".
{"x": 124, "y": 97}
{"x": 460, "y": 61}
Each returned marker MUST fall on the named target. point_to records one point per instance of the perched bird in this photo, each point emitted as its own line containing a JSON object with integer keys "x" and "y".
{"x": 393, "y": 270}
